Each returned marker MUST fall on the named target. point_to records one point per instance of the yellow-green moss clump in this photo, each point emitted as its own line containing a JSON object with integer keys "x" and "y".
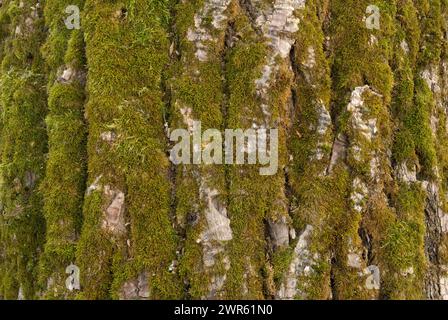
{"x": 23, "y": 146}
{"x": 431, "y": 145}
{"x": 404, "y": 239}
{"x": 362, "y": 88}
{"x": 127, "y": 242}
{"x": 312, "y": 200}
{"x": 64, "y": 184}
{"x": 249, "y": 196}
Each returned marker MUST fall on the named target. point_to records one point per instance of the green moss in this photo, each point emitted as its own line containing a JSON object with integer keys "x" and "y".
{"x": 355, "y": 62}
{"x": 403, "y": 247}
{"x": 127, "y": 49}
{"x": 400, "y": 242}
{"x": 359, "y": 57}
{"x": 403, "y": 241}
{"x": 142, "y": 71}
{"x": 253, "y": 199}
{"x": 418, "y": 123}
{"x": 23, "y": 146}
{"x": 309, "y": 205}
{"x": 197, "y": 85}
{"x": 64, "y": 184}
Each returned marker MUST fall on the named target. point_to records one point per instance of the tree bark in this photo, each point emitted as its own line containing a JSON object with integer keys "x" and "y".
{"x": 357, "y": 209}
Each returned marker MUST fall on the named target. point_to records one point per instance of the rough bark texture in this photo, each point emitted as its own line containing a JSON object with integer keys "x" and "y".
{"x": 86, "y": 177}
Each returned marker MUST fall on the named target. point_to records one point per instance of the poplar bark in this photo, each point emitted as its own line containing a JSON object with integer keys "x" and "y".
{"x": 358, "y": 207}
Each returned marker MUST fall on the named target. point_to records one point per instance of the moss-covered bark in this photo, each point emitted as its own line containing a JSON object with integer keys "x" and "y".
{"x": 64, "y": 184}
{"x": 23, "y": 148}
{"x": 197, "y": 96}
{"x": 256, "y": 203}
{"x": 361, "y": 183}
{"x": 362, "y": 85}
{"x": 405, "y": 241}
{"x": 127, "y": 242}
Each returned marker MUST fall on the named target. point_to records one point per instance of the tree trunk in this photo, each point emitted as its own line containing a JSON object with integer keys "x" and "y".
{"x": 89, "y": 180}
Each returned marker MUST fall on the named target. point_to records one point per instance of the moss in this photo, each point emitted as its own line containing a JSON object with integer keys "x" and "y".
{"x": 403, "y": 247}
{"x": 23, "y": 147}
{"x": 418, "y": 124}
{"x": 327, "y": 213}
{"x": 400, "y": 242}
{"x": 253, "y": 199}
{"x": 443, "y": 133}
{"x": 310, "y": 151}
{"x": 281, "y": 260}
{"x": 197, "y": 85}
{"x": 64, "y": 184}
{"x": 360, "y": 56}
{"x": 413, "y": 147}
{"x": 5, "y": 21}
{"x": 434, "y": 26}
{"x": 429, "y": 15}
{"x": 4, "y": 272}
{"x": 345, "y": 281}
{"x": 142, "y": 71}
{"x": 127, "y": 49}
{"x": 418, "y": 118}
{"x": 149, "y": 216}
{"x": 56, "y": 43}
{"x": 354, "y": 61}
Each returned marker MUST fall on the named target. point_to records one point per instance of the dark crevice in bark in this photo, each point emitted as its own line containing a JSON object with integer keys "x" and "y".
{"x": 167, "y": 100}
{"x": 250, "y": 11}
{"x": 340, "y": 142}
{"x": 269, "y": 250}
{"x": 229, "y": 42}
{"x": 367, "y": 243}
{"x": 174, "y": 56}
{"x": 432, "y": 242}
{"x": 292, "y": 117}
{"x": 333, "y": 287}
